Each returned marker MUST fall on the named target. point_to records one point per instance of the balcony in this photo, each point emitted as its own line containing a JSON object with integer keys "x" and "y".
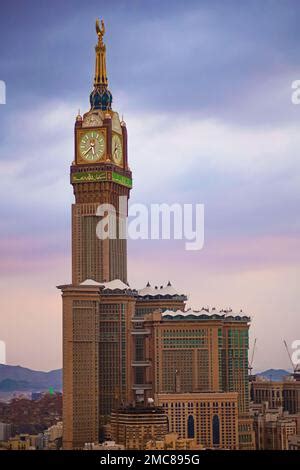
{"x": 144, "y": 363}
{"x": 146, "y": 386}
{"x": 140, "y": 331}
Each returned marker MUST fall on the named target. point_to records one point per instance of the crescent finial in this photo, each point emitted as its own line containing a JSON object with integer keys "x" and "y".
{"x": 100, "y": 30}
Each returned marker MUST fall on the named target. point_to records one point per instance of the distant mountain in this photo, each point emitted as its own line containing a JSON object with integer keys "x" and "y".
{"x": 21, "y": 379}
{"x": 274, "y": 374}
{"x": 17, "y": 378}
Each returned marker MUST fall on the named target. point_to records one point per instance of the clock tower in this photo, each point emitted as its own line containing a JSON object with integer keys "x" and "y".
{"x": 99, "y": 175}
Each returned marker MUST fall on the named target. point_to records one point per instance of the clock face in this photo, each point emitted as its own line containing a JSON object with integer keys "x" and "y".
{"x": 117, "y": 150}
{"x": 92, "y": 146}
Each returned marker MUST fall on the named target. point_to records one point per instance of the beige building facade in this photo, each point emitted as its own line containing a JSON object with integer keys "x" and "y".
{"x": 285, "y": 393}
{"x": 133, "y": 427}
{"x": 211, "y": 419}
{"x": 124, "y": 346}
{"x": 273, "y": 427}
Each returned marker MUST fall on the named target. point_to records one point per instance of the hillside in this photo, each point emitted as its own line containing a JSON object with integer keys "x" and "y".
{"x": 17, "y": 378}
{"x": 274, "y": 374}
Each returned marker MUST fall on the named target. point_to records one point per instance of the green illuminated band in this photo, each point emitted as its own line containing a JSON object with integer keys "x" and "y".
{"x": 95, "y": 176}
{"x": 121, "y": 179}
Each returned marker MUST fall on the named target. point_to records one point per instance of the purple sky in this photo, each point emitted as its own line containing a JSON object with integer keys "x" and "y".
{"x": 205, "y": 89}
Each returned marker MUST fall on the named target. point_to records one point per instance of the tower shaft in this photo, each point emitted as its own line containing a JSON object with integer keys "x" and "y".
{"x": 92, "y": 257}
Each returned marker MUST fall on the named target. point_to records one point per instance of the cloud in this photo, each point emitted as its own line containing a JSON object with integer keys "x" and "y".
{"x": 228, "y": 60}
{"x": 247, "y": 177}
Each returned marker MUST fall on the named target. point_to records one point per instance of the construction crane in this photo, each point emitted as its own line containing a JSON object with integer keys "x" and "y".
{"x": 296, "y": 371}
{"x": 251, "y": 359}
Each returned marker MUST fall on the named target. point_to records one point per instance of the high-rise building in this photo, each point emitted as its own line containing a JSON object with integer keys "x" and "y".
{"x": 99, "y": 175}
{"x": 207, "y": 350}
{"x": 133, "y": 427}
{"x": 97, "y": 309}
{"x": 123, "y": 346}
{"x": 285, "y": 393}
{"x": 96, "y": 357}
{"x": 198, "y": 352}
{"x": 273, "y": 427}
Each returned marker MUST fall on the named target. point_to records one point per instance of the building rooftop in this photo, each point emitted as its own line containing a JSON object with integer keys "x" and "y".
{"x": 114, "y": 287}
{"x": 140, "y": 410}
{"x": 116, "y": 284}
{"x": 205, "y": 314}
{"x": 162, "y": 291}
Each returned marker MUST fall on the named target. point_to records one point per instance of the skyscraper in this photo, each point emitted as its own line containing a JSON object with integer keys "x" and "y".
{"x": 123, "y": 346}
{"x": 99, "y": 175}
{"x": 96, "y": 311}
{"x": 200, "y": 353}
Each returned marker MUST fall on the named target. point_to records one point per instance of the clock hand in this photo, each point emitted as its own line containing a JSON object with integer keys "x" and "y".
{"x": 93, "y": 147}
{"x": 84, "y": 153}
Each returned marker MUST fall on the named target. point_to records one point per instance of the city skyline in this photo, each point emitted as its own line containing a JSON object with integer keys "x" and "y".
{"x": 250, "y": 257}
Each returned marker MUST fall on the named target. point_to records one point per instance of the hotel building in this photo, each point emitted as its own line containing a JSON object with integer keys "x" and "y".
{"x": 285, "y": 394}
{"x": 125, "y": 346}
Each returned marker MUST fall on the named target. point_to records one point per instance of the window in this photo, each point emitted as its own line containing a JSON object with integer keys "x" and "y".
{"x": 191, "y": 427}
{"x": 216, "y": 430}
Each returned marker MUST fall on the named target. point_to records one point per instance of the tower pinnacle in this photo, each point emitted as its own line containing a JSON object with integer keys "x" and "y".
{"x": 101, "y": 97}
{"x": 100, "y": 66}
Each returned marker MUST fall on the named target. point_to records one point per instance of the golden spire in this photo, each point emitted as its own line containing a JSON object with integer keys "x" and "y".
{"x": 100, "y": 97}
{"x": 100, "y": 67}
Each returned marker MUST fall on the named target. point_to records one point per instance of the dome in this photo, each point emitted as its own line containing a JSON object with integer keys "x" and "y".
{"x": 101, "y": 98}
